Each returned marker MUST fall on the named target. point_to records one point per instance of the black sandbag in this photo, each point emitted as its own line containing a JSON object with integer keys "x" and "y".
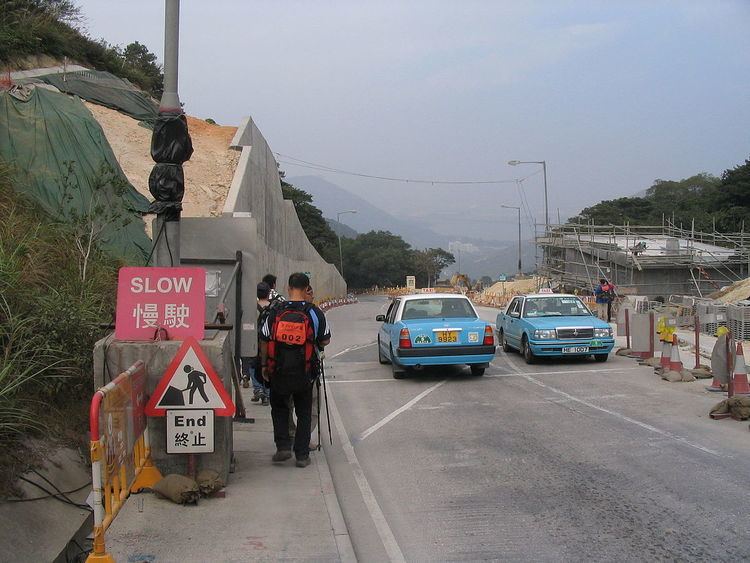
{"x": 171, "y": 142}
{"x": 167, "y": 184}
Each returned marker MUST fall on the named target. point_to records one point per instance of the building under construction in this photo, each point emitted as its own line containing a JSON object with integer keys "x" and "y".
{"x": 652, "y": 261}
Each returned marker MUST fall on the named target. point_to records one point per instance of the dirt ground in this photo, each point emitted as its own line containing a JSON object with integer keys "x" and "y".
{"x": 513, "y": 287}
{"x": 208, "y": 174}
{"x": 738, "y": 291}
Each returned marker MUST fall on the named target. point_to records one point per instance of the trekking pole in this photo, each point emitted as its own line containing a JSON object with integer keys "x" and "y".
{"x": 325, "y": 398}
{"x": 317, "y": 384}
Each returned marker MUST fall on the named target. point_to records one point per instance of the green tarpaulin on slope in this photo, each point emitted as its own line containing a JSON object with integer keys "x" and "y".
{"x": 107, "y": 90}
{"x": 61, "y": 158}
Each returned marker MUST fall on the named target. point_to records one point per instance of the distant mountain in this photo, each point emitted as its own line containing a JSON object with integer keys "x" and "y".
{"x": 331, "y": 199}
{"x": 342, "y": 230}
{"x": 478, "y": 257}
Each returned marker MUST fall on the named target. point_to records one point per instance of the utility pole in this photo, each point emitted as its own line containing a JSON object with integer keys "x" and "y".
{"x": 520, "y": 269}
{"x": 546, "y": 201}
{"x": 171, "y": 147}
{"x": 170, "y": 99}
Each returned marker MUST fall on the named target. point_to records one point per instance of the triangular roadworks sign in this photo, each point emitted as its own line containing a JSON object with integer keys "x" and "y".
{"x": 190, "y": 382}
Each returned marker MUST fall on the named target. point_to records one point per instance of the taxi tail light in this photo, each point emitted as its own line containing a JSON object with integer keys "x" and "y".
{"x": 489, "y": 337}
{"x": 404, "y": 338}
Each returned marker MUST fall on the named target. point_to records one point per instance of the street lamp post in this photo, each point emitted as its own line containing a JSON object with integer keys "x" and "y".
{"x": 546, "y": 203}
{"x": 520, "y": 270}
{"x": 341, "y": 253}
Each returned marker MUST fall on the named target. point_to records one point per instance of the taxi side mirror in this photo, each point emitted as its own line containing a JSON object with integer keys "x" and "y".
{"x": 380, "y": 318}
{"x": 515, "y": 314}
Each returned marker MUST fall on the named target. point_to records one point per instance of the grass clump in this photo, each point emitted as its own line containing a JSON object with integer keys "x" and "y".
{"x": 49, "y": 321}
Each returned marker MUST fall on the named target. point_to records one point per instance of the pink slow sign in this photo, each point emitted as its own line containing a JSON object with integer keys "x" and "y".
{"x": 152, "y": 298}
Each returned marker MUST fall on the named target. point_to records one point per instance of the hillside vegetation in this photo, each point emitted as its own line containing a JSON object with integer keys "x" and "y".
{"x": 49, "y": 319}
{"x": 30, "y": 28}
{"x": 723, "y": 203}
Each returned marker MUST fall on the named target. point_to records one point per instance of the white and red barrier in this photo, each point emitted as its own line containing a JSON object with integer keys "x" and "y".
{"x": 328, "y": 304}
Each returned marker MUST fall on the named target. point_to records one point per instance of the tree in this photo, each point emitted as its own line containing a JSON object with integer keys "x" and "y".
{"x": 429, "y": 263}
{"x": 142, "y": 62}
{"x": 89, "y": 217}
{"x": 377, "y": 258}
{"x": 691, "y": 198}
{"x": 318, "y": 232}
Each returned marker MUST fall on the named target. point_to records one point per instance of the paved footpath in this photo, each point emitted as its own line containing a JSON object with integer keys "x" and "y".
{"x": 270, "y": 512}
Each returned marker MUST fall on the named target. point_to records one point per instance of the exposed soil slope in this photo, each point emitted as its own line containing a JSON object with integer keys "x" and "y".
{"x": 208, "y": 174}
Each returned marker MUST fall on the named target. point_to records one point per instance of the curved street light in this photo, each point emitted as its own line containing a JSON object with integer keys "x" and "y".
{"x": 544, "y": 168}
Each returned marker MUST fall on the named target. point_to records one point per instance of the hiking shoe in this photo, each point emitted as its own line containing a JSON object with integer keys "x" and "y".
{"x": 281, "y": 455}
{"x": 264, "y": 400}
{"x": 303, "y": 461}
{"x": 256, "y": 395}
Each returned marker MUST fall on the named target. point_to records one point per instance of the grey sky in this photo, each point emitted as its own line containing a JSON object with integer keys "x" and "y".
{"x": 612, "y": 94}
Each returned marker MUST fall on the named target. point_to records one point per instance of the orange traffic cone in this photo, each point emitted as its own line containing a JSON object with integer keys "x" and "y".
{"x": 675, "y": 364}
{"x": 665, "y": 355}
{"x": 741, "y": 386}
{"x": 715, "y": 386}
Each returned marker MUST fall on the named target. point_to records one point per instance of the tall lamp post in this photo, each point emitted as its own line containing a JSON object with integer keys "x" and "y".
{"x": 520, "y": 271}
{"x": 341, "y": 253}
{"x": 546, "y": 203}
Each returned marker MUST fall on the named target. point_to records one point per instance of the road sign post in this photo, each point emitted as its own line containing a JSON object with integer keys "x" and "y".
{"x": 190, "y": 395}
{"x": 190, "y": 382}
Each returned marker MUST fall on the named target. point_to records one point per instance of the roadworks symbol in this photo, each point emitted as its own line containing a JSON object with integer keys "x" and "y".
{"x": 422, "y": 339}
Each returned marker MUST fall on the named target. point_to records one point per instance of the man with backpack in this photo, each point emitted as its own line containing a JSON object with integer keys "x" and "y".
{"x": 290, "y": 335}
{"x": 605, "y": 294}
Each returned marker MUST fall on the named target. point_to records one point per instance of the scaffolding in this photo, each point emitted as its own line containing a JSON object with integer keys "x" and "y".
{"x": 645, "y": 260}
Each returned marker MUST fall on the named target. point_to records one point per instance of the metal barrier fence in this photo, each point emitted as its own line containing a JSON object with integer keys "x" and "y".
{"x": 738, "y": 320}
{"x": 120, "y": 450}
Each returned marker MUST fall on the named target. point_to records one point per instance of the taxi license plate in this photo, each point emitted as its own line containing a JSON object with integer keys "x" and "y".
{"x": 575, "y": 349}
{"x": 447, "y": 337}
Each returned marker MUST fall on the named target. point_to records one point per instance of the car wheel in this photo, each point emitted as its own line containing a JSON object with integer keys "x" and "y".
{"x": 398, "y": 371}
{"x": 381, "y": 359}
{"x": 601, "y": 357}
{"x": 504, "y": 343}
{"x": 477, "y": 370}
{"x": 528, "y": 355}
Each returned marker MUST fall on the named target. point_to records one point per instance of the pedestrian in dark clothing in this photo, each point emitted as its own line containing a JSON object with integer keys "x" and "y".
{"x": 605, "y": 294}
{"x": 289, "y": 336}
{"x": 270, "y": 279}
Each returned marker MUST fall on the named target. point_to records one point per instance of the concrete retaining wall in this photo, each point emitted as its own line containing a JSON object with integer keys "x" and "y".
{"x": 261, "y": 224}
{"x": 281, "y": 242}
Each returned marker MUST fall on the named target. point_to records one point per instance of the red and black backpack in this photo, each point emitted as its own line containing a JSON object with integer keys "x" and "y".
{"x": 291, "y": 348}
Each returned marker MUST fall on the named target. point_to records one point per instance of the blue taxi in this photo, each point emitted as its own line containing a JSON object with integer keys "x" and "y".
{"x": 553, "y": 325}
{"x": 434, "y": 330}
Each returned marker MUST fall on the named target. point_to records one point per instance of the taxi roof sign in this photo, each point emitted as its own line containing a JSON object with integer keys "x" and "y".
{"x": 546, "y": 290}
{"x": 190, "y": 382}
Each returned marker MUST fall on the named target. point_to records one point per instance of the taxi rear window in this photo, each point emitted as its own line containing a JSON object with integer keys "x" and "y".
{"x": 438, "y": 308}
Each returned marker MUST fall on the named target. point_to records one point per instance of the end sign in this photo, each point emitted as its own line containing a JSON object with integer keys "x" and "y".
{"x": 152, "y": 298}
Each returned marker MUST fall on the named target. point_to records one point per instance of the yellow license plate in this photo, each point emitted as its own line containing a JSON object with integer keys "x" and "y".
{"x": 447, "y": 337}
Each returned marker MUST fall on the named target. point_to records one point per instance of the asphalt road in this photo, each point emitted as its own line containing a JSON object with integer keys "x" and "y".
{"x": 562, "y": 460}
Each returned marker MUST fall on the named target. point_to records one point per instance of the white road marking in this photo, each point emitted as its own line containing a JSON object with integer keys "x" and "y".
{"x": 562, "y": 372}
{"x": 376, "y": 513}
{"x": 360, "y": 380}
{"x": 615, "y": 414}
{"x": 351, "y": 349}
{"x": 398, "y": 411}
